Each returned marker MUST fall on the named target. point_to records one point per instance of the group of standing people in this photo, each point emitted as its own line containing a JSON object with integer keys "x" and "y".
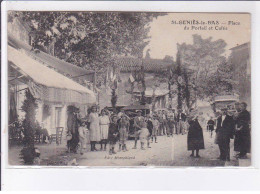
{"x": 237, "y": 127}
{"x": 232, "y": 126}
{"x": 110, "y": 128}
{"x": 106, "y": 129}
{"x": 171, "y": 123}
{"x": 227, "y": 126}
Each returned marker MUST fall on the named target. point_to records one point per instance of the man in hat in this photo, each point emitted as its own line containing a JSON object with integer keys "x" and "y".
{"x": 138, "y": 120}
{"x": 225, "y": 132}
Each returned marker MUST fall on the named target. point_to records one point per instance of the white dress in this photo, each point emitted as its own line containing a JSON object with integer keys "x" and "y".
{"x": 104, "y": 125}
{"x": 94, "y": 129}
{"x": 83, "y": 136}
{"x": 144, "y": 134}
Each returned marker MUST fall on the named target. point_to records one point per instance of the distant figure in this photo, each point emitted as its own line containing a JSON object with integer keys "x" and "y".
{"x": 112, "y": 135}
{"x": 137, "y": 126}
{"x": 122, "y": 113}
{"x": 123, "y": 132}
{"x": 171, "y": 125}
{"x": 210, "y": 126}
{"x": 165, "y": 122}
{"x": 224, "y": 132}
{"x": 195, "y": 136}
{"x": 181, "y": 122}
{"x": 242, "y": 137}
{"x": 155, "y": 128}
{"x": 150, "y": 129}
{"x": 175, "y": 121}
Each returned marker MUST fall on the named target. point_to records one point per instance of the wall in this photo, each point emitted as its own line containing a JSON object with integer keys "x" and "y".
{"x": 240, "y": 57}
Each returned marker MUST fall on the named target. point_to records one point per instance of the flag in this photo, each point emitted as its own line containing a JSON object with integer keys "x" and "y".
{"x": 114, "y": 78}
{"x": 131, "y": 78}
{"x": 111, "y": 74}
{"x": 107, "y": 79}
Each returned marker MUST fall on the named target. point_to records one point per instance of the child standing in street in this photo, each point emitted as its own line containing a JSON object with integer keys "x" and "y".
{"x": 155, "y": 129}
{"x": 83, "y": 137}
{"x": 144, "y": 135}
{"x": 112, "y": 135}
{"x": 150, "y": 129}
{"x": 123, "y": 132}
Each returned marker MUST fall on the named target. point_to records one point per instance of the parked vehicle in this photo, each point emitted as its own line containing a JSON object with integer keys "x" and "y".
{"x": 131, "y": 111}
{"x": 225, "y": 101}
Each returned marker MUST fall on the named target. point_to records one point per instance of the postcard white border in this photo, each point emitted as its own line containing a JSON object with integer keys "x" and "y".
{"x": 135, "y": 178}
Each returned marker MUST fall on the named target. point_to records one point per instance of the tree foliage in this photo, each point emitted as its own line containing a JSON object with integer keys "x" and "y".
{"x": 203, "y": 68}
{"x": 90, "y": 39}
{"x": 29, "y": 123}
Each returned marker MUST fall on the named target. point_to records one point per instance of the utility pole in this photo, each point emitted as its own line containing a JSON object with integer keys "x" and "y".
{"x": 142, "y": 76}
{"x": 179, "y": 95}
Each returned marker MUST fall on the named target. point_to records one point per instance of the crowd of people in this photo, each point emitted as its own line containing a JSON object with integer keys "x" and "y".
{"x": 237, "y": 127}
{"x": 112, "y": 128}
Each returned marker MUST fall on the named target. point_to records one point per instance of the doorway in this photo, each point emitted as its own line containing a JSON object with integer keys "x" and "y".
{"x": 58, "y": 116}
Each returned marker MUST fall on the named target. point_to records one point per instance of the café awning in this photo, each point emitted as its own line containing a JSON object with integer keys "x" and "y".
{"x": 47, "y": 84}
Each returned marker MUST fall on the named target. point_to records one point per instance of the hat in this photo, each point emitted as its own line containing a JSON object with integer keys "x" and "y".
{"x": 93, "y": 106}
{"x": 69, "y": 137}
{"x": 113, "y": 116}
{"x": 124, "y": 115}
{"x": 138, "y": 111}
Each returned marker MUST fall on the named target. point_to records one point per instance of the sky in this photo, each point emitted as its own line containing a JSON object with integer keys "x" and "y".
{"x": 165, "y": 35}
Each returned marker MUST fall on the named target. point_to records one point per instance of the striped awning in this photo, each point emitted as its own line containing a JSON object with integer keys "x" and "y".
{"x": 47, "y": 84}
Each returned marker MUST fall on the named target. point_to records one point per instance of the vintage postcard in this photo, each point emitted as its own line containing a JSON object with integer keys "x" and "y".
{"x": 129, "y": 89}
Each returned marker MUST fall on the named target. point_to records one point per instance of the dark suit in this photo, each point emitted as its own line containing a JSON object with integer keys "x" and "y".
{"x": 242, "y": 137}
{"x": 181, "y": 118}
{"x": 225, "y": 132}
{"x": 182, "y": 115}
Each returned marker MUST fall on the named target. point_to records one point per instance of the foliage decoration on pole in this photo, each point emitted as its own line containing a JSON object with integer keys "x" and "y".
{"x": 29, "y": 124}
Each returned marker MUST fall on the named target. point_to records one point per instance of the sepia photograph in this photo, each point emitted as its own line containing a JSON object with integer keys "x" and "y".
{"x": 129, "y": 89}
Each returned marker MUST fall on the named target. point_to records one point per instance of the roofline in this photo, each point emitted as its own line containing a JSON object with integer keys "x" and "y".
{"x": 239, "y": 46}
{"x": 27, "y": 48}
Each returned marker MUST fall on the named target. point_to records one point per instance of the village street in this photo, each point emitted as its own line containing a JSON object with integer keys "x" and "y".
{"x": 169, "y": 151}
{"x": 208, "y": 156}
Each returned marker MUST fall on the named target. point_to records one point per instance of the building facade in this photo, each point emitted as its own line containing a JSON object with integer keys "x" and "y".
{"x": 54, "y": 83}
{"x": 241, "y": 60}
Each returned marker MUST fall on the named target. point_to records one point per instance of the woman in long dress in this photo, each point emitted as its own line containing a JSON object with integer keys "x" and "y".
{"x": 94, "y": 129}
{"x": 104, "y": 125}
{"x": 195, "y": 136}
